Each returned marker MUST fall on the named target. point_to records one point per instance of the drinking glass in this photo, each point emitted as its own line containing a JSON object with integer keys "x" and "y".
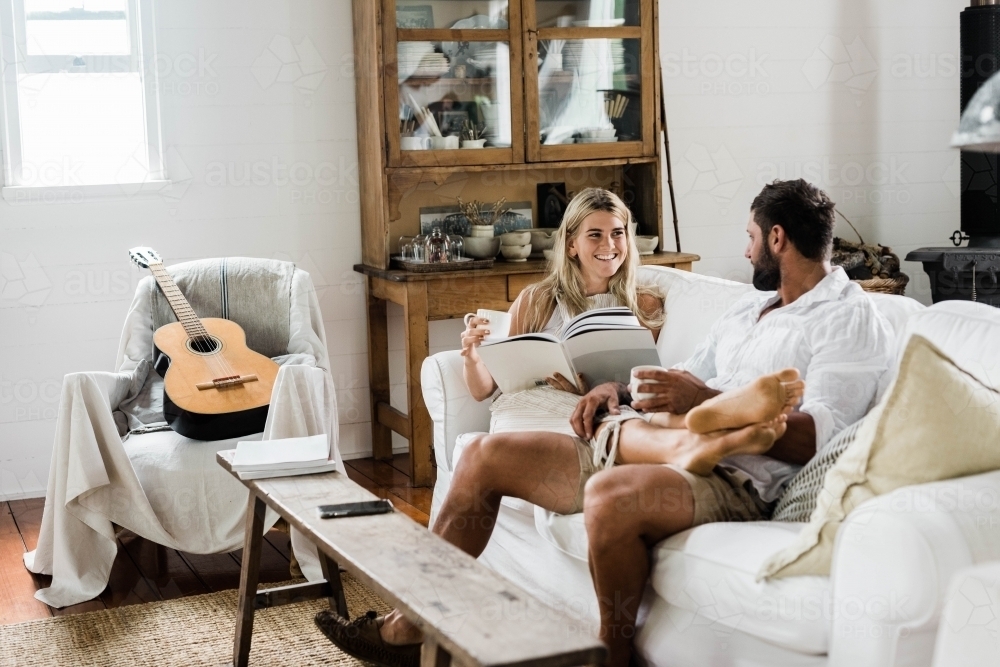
{"x": 456, "y": 247}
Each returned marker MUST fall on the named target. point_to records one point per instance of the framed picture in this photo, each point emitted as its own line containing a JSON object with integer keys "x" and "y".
{"x": 414, "y": 16}
{"x": 452, "y": 221}
{"x": 552, "y": 201}
{"x": 449, "y": 218}
{"x": 451, "y": 122}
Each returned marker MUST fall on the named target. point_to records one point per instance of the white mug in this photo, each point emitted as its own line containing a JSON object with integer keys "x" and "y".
{"x": 633, "y": 385}
{"x": 414, "y": 143}
{"x": 442, "y": 143}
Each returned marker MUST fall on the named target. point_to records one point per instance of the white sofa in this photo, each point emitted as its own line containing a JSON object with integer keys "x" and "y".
{"x": 894, "y": 556}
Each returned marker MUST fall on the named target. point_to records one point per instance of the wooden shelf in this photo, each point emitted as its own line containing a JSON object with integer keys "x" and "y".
{"x": 525, "y": 166}
{"x": 503, "y": 268}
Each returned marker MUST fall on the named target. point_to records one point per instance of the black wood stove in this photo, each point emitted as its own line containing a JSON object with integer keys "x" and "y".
{"x": 972, "y": 272}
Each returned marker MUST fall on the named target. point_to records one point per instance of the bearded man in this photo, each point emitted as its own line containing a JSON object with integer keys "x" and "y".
{"x": 809, "y": 333}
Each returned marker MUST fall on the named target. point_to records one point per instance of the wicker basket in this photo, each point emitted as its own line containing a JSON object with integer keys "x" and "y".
{"x": 881, "y": 259}
{"x": 896, "y": 285}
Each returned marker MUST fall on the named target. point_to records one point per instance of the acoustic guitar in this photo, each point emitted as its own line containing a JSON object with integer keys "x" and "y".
{"x": 214, "y": 386}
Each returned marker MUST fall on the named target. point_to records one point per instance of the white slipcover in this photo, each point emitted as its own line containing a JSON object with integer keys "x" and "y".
{"x": 161, "y": 485}
{"x": 969, "y": 635}
{"x": 894, "y": 556}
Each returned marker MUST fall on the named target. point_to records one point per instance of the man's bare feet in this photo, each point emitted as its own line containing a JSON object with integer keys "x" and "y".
{"x": 713, "y": 447}
{"x": 760, "y": 401}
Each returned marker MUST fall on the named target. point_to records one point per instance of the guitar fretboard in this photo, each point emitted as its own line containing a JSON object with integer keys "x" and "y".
{"x": 182, "y": 309}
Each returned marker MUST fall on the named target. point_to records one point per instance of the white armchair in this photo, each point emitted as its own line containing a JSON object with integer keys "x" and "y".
{"x": 153, "y": 481}
{"x": 894, "y": 556}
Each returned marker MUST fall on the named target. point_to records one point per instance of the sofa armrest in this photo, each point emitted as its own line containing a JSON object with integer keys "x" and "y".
{"x": 452, "y": 408}
{"x": 893, "y": 559}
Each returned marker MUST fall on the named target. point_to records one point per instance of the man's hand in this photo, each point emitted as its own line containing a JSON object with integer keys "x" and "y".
{"x": 676, "y": 391}
{"x": 605, "y": 395}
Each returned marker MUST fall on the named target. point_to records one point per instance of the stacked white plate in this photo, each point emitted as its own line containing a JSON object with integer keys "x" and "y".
{"x": 572, "y": 51}
{"x": 418, "y": 59}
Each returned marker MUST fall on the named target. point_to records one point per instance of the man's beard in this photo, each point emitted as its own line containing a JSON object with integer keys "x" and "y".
{"x": 767, "y": 271}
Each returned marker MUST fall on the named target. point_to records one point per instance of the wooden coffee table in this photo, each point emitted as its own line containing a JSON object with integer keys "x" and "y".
{"x": 469, "y": 614}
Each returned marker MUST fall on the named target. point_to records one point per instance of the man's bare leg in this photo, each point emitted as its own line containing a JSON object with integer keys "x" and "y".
{"x": 760, "y": 401}
{"x": 542, "y": 468}
{"x": 629, "y": 509}
{"x": 639, "y": 442}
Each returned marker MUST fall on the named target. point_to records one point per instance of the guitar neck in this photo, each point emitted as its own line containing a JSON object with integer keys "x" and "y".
{"x": 182, "y": 309}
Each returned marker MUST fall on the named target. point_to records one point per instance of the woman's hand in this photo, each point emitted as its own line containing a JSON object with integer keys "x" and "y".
{"x": 476, "y": 329}
{"x": 558, "y": 381}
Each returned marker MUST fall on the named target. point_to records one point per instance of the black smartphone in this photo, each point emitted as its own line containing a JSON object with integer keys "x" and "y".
{"x": 354, "y": 509}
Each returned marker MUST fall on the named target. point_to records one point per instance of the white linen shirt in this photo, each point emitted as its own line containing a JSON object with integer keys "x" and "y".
{"x": 832, "y": 334}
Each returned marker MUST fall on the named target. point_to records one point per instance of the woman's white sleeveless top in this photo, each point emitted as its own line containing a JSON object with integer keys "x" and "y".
{"x": 560, "y": 316}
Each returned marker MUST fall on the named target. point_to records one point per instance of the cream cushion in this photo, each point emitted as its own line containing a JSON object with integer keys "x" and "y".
{"x": 936, "y": 422}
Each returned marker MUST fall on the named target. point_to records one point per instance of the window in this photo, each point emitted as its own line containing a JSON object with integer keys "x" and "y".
{"x": 79, "y": 93}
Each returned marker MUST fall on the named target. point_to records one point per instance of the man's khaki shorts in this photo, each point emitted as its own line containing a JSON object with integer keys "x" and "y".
{"x": 727, "y": 494}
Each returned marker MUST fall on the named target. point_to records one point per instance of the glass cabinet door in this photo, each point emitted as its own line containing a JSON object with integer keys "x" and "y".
{"x": 588, "y": 79}
{"x": 450, "y": 94}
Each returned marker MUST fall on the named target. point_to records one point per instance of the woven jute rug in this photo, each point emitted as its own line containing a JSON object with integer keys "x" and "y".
{"x": 196, "y": 630}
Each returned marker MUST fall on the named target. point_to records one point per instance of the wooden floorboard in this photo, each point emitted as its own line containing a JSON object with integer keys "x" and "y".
{"x": 145, "y": 572}
{"x": 162, "y": 568}
{"x": 17, "y": 587}
{"x": 361, "y": 472}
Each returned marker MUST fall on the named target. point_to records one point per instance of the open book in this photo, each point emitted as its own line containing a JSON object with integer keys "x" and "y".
{"x": 603, "y": 345}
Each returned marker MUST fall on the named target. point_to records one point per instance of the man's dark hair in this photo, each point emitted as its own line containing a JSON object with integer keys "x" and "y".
{"x": 802, "y": 210}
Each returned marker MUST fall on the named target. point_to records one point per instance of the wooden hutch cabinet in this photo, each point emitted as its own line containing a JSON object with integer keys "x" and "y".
{"x": 562, "y": 91}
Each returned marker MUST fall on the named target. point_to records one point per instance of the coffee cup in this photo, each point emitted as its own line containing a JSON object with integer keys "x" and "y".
{"x": 633, "y": 385}
{"x": 413, "y": 143}
{"x": 443, "y": 143}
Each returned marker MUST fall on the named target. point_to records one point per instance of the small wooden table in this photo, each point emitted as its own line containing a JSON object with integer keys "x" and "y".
{"x": 438, "y": 296}
{"x": 469, "y": 615}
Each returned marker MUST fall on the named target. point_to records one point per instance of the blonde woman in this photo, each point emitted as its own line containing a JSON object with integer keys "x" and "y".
{"x": 595, "y": 266}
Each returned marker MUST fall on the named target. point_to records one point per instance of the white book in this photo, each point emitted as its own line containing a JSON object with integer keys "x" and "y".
{"x": 603, "y": 345}
{"x": 330, "y": 466}
{"x": 283, "y": 454}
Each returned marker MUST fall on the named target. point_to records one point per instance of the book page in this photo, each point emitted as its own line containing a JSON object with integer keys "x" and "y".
{"x": 609, "y": 356}
{"x": 523, "y": 362}
{"x": 283, "y": 453}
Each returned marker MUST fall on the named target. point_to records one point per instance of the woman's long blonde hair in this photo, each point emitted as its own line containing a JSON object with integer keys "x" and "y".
{"x": 565, "y": 281}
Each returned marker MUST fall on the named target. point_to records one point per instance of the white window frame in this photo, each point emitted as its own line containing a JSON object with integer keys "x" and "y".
{"x": 14, "y": 58}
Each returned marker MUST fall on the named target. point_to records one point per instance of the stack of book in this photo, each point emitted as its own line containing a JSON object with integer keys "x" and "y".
{"x": 283, "y": 458}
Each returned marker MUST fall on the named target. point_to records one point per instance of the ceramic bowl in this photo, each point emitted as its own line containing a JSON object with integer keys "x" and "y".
{"x": 542, "y": 239}
{"x": 549, "y": 255}
{"x": 482, "y": 231}
{"x": 481, "y": 247}
{"x": 646, "y": 244}
{"x": 516, "y": 253}
{"x": 516, "y": 238}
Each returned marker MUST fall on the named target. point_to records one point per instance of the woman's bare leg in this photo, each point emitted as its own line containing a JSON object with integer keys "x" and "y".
{"x": 540, "y": 467}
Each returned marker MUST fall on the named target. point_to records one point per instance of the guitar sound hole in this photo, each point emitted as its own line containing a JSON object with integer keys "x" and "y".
{"x": 204, "y": 344}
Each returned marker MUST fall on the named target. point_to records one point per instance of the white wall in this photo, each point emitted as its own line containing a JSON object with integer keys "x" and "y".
{"x": 227, "y": 106}
{"x": 858, "y": 96}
